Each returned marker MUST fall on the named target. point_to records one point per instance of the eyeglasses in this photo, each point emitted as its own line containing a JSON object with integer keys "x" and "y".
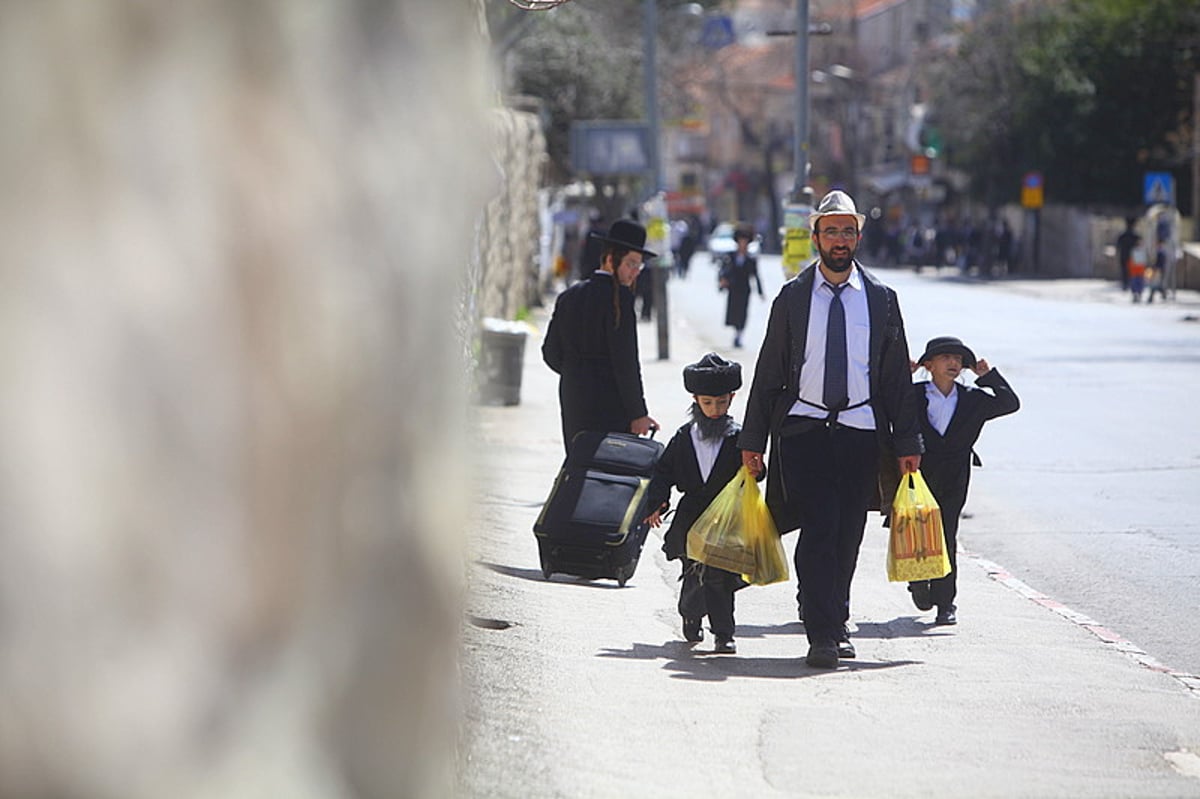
{"x": 846, "y": 233}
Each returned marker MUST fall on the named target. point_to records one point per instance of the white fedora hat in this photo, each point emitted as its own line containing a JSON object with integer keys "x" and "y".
{"x": 836, "y": 203}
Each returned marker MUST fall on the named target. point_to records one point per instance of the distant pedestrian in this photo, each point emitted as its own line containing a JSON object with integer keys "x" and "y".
{"x": 591, "y": 341}
{"x": 589, "y": 246}
{"x": 832, "y": 392}
{"x": 1004, "y": 247}
{"x": 1125, "y": 244}
{"x": 1157, "y": 280}
{"x": 951, "y": 417}
{"x": 701, "y": 458}
{"x": 737, "y": 269}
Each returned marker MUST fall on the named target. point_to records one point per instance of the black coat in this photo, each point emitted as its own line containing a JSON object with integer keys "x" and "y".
{"x": 777, "y": 382}
{"x": 737, "y": 283}
{"x": 946, "y": 464}
{"x": 595, "y": 352}
{"x": 678, "y": 468}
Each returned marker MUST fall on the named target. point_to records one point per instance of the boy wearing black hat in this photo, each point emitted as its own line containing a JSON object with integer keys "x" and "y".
{"x": 701, "y": 458}
{"x": 952, "y": 416}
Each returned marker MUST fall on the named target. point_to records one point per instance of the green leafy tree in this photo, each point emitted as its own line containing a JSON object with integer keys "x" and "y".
{"x": 584, "y": 61}
{"x": 1092, "y": 93}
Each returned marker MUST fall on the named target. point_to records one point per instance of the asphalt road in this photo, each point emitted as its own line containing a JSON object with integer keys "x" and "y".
{"x": 1091, "y": 492}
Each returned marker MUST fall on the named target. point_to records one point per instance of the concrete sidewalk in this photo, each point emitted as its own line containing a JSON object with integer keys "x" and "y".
{"x": 578, "y": 688}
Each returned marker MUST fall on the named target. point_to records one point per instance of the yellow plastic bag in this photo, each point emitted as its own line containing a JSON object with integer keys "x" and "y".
{"x": 736, "y": 533}
{"x": 917, "y": 545}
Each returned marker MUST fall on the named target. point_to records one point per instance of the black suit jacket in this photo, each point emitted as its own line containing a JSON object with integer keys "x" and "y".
{"x": 777, "y": 381}
{"x": 946, "y": 464}
{"x": 595, "y": 352}
{"x": 678, "y": 467}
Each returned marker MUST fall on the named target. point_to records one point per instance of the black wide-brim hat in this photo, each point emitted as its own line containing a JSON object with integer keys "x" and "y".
{"x": 712, "y": 376}
{"x": 628, "y": 234}
{"x": 948, "y": 345}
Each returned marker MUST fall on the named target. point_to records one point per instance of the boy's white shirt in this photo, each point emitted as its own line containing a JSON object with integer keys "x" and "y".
{"x": 941, "y": 407}
{"x": 706, "y": 451}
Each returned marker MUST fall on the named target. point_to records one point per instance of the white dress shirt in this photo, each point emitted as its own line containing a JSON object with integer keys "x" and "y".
{"x": 706, "y": 451}
{"x": 858, "y": 353}
{"x": 941, "y": 407}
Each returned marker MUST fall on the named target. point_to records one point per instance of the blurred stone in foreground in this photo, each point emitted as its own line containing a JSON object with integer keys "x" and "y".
{"x": 231, "y": 489}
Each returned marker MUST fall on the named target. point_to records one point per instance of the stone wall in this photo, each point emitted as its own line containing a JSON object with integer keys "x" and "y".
{"x": 507, "y": 283}
{"x": 232, "y": 237}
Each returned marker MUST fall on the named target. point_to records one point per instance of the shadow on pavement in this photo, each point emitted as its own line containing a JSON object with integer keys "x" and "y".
{"x": 899, "y": 627}
{"x": 536, "y": 576}
{"x": 698, "y": 662}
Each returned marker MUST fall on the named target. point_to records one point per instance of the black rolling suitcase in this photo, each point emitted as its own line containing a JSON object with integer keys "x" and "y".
{"x": 592, "y": 523}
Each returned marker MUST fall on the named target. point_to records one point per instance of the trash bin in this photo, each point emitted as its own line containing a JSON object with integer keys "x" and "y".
{"x": 501, "y": 360}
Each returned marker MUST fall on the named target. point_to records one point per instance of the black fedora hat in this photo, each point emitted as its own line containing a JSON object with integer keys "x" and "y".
{"x": 948, "y": 345}
{"x": 628, "y": 234}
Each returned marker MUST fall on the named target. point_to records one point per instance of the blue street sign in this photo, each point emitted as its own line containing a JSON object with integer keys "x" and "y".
{"x": 610, "y": 147}
{"x": 717, "y": 33}
{"x": 1159, "y": 187}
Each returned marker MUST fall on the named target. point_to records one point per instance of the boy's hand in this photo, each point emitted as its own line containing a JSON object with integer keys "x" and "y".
{"x": 655, "y": 519}
{"x": 913, "y": 366}
{"x": 981, "y": 367}
{"x": 909, "y": 463}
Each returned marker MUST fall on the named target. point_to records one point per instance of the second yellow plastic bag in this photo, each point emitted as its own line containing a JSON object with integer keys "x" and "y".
{"x": 917, "y": 544}
{"x": 736, "y": 533}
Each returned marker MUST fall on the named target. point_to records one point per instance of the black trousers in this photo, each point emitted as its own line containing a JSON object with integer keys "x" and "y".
{"x": 708, "y": 591}
{"x": 832, "y": 472}
{"x": 944, "y": 589}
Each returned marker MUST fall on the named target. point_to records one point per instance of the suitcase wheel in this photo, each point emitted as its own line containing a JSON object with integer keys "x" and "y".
{"x": 624, "y": 573}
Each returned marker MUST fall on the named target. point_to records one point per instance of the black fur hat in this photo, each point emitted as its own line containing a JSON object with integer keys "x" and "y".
{"x": 712, "y": 376}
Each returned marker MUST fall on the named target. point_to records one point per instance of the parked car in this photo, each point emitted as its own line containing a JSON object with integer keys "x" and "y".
{"x": 720, "y": 241}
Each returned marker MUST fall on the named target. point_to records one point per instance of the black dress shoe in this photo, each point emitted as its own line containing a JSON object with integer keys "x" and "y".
{"x": 725, "y": 646}
{"x": 845, "y": 649}
{"x": 946, "y": 617}
{"x": 921, "y": 596}
{"x": 692, "y": 631}
{"x": 822, "y": 656}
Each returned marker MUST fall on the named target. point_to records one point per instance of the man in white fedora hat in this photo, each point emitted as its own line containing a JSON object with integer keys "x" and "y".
{"x": 832, "y": 392}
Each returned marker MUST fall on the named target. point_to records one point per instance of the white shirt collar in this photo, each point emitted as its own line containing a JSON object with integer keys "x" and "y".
{"x": 855, "y": 279}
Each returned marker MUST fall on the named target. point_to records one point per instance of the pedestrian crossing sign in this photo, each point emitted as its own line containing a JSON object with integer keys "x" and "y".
{"x": 1159, "y": 188}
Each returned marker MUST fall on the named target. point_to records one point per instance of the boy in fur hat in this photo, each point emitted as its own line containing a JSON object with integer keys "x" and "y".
{"x": 701, "y": 458}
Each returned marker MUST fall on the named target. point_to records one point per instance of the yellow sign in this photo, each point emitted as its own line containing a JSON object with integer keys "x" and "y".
{"x": 657, "y": 229}
{"x": 1031, "y": 197}
{"x": 797, "y": 239}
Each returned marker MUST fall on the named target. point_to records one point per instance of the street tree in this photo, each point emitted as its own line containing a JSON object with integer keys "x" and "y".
{"x": 1092, "y": 93}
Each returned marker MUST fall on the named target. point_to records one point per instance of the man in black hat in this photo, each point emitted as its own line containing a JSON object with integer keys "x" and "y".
{"x": 591, "y": 342}
{"x": 832, "y": 392}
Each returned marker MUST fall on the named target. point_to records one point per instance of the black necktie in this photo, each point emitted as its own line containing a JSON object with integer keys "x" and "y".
{"x": 835, "y": 395}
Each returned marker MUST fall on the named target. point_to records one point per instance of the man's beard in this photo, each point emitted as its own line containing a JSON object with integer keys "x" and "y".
{"x": 711, "y": 428}
{"x": 839, "y": 264}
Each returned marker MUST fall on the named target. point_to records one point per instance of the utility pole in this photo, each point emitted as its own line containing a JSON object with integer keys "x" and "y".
{"x": 663, "y": 265}
{"x": 1196, "y": 158}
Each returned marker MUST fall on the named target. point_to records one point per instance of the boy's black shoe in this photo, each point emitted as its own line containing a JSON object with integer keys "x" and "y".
{"x": 946, "y": 616}
{"x": 822, "y": 656}
{"x": 921, "y": 596}
{"x": 692, "y": 631}
{"x": 725, "y": 646}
